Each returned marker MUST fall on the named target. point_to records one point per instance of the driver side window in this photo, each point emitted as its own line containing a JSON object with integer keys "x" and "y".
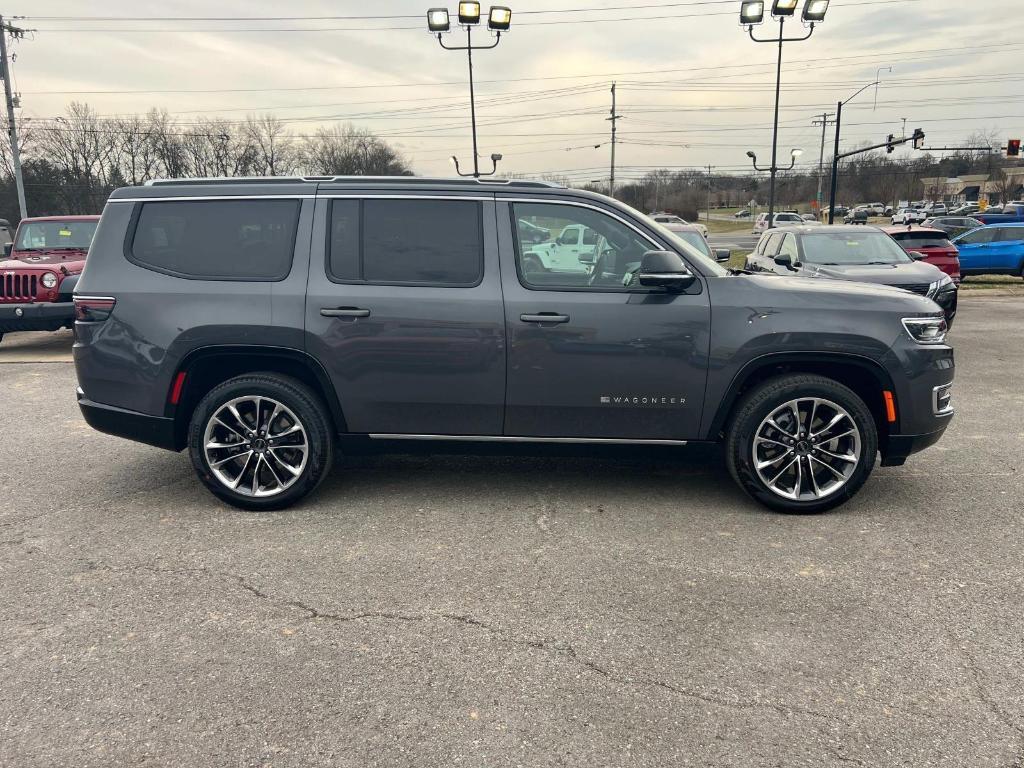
{"x": 789, "y": 249}
{"x": 609, "y": 254}
{"x": 985, "y": 235}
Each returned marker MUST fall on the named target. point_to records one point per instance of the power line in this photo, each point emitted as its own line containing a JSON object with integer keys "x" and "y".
{"x": 234, "y": 30}
{"x": 795, "y": 64}
{"x": 377, "y": 17}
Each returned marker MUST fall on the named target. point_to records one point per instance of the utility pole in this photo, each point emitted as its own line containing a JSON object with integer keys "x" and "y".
{"x": 707, "y": 215}
{"x": 823, "y": 121}
{"x": 613, "y": 118}
{"x": 5, "y": 71}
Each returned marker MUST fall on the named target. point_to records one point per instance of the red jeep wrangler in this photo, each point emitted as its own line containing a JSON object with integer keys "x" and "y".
{"x": 39, "y": 271}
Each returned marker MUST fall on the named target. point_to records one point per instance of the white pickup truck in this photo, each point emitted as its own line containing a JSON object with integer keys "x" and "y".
{"x": 572, "y": 251}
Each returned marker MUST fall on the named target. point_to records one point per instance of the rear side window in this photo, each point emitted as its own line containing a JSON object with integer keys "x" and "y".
{"x": 1011, "y": 234}
{"x": 217, "y": 239}
{"x": 415, "y": 242}
{"x": 914, "y": 239}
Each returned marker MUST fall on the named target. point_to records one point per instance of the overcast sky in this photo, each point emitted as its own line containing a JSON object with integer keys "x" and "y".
{"x": 693, "y": 89}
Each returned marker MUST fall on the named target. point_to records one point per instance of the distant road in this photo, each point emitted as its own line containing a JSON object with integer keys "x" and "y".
{"x": 734, "y": 241}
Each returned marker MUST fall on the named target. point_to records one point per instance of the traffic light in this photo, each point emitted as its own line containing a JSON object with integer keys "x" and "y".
{"x": 1013, "y": 148}
{"x": 918, "y": 138}
{"x": 889, "y": 148}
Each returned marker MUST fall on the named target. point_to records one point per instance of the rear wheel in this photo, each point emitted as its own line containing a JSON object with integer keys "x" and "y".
{"x": 801, "y": 443}
{"x": 261, "y": 441}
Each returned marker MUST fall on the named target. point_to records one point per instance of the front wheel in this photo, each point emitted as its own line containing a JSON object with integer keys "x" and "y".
{"x": 261, "y": 441}
{"x": 801, "y": 443}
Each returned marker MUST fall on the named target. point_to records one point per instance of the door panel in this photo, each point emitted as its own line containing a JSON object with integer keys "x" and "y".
{"x": 1009, "y": 249}
{"x": 611, "y": 363}
{"x": 409, "y": 359}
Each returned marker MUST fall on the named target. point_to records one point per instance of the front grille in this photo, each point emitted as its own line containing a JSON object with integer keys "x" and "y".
{"x": 18, "y": 287}
{"x": 919, "y": 288}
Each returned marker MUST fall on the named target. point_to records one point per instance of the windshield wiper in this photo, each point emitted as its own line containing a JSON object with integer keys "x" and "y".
{"x": 877, "y": 263}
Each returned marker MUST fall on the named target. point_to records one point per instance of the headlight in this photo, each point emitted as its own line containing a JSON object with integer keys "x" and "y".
{"x": 926, "y": 330}
{"x": 49, "y": 280}
{"x": 942, "y": 283}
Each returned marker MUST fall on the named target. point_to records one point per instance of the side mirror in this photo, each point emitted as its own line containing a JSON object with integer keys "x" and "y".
{"x": 784, "y": 260}
{"x": 722, "y": 254}
{"x": 664, "y": 269}
{"x": 8, "y": 247}
{"x": 916, "y": 255}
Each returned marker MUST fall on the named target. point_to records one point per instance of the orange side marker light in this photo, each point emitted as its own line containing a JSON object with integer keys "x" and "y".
{"x": 890, "y": 406}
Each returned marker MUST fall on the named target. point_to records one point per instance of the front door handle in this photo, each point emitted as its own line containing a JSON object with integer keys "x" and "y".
{"x": 545, "y": 317}
{"x": 344, "y": 312}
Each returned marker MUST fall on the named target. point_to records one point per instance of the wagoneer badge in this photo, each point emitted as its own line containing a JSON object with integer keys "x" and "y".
{"x": 651, "y": 400}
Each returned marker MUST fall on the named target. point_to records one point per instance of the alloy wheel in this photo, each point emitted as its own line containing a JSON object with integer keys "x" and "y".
{"x": 806, "y": 449}
{"x": 255, "y": 446}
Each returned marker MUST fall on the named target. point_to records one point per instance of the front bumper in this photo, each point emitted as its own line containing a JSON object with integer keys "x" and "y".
{"x": 899, "y": 447}
{"x": 141, "y": 427}
{"x": 44, "y": 316}
{"x": 920, "y": 371}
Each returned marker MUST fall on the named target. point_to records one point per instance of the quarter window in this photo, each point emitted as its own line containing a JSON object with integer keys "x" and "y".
{"x": 415, "y": 242}
{"x": 217, "y": 239}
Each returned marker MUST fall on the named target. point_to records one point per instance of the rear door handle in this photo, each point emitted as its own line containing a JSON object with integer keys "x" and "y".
{"x": 545, "y": 317}
{"x": 344, "y": 312}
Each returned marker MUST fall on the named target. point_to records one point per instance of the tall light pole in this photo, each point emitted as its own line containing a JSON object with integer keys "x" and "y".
{"x": 793, "y": 153}
{"x": 835, "y": 151}
{"x": 752, "y": 14}
{"x": 499, "y": 19}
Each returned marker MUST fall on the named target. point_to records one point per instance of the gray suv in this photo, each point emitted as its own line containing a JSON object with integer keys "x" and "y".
{"x": 269, "y": 325}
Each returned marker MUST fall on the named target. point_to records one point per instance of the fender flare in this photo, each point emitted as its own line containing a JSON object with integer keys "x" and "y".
{"x": 314, "y": 366}
{"x": 772, "y": 359}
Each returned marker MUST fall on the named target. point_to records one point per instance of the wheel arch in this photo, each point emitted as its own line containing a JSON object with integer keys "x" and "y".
{"x": 206, "y": 367}
{"x": 863, "y": 375}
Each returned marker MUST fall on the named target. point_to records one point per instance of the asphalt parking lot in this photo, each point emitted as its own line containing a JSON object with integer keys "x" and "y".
{"x": 442, "y": 611}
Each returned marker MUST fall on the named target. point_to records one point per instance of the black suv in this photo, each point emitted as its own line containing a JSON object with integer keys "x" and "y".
{"x": 864, "y": 254}
{"x": 268, "y": 325}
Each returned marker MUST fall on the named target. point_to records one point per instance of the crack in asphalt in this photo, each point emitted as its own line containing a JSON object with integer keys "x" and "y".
{"x": 981, "y": 689}
{"x": 559, "y": 648}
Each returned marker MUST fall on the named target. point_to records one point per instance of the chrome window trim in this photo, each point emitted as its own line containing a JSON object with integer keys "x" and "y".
{"x": 520, "y": 439}
{"x": 427, "y": 196}
{"x": 205, "y": 198}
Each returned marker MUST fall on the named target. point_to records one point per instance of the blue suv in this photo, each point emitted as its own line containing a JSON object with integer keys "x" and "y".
{"x": 997, "y": 249}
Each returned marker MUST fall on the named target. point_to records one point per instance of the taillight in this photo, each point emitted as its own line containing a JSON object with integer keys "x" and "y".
{"x": 93, "y": 309}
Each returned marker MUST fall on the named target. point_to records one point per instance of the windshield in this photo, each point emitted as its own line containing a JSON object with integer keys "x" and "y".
{"x": 707, "y": 264}
{"x": 55, "y": 235}
{"x": 696, "y": 239}
{"x": 852, "y": 248}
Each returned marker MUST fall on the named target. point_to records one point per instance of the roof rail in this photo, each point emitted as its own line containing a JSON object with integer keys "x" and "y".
{"x": 352, "y": 179}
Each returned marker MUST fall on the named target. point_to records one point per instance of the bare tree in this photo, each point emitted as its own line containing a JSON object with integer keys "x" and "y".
{"x": 273, "y": 148}
{"x": 350, "y": 151}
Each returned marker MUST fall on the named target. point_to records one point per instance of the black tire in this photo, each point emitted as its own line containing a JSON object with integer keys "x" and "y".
{"x": 307, "y": 407}
{"x": 532, "y": 264}
{"x": 758, "y": 404}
